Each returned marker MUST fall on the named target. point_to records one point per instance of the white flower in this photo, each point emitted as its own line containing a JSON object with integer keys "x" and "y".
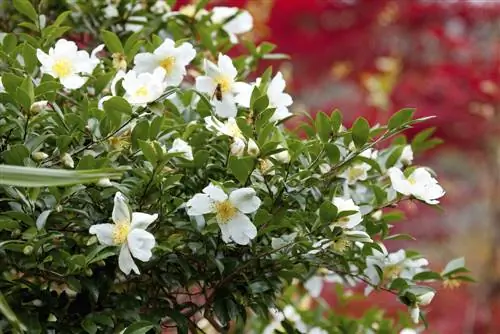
{"x": 277, "y": 98}
{"x": 406, "y": 157}
{"x": 169, "y": 57}
{"x": 66, "y": 63}
{"x": 221, "y": 77}
{"x": 317, "y": 330}
{"x": 238, "y": 147}
{"x": 118, "y": 76}
{"x": 314, "y": 285}
{"x": 180, "y": 146}
{"x": 283, "y": 156}
{"x": 408, "y": 331}
{"x": 266, "y": 167}
{"x": 110, "y": 10}
{"x": 415, "y": 314}
{"x": 359, "y": 170}
{"x": 67, "y": 160}
{"x": 229, "y": 127}
{"x": 324, "y": 168}
{"x": 426, "y": 298}
{"x": 242, "y": 21}
{"x": 160, "y": 7}
{"x": 419, "y": 184}
{"x": 343, "y": 205}
{"x": 38, "y": 106}
{"x": 129, "y": 232}
{"x": 143, "y": 88}
{"x": 229, "y": 211}
{"x": 253, "y": 149}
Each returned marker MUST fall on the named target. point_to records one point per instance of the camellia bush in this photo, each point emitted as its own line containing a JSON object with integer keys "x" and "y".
{"x": 148, "y": 184}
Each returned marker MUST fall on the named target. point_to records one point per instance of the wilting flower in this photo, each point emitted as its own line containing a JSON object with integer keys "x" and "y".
{"x": 128, "y": 232}
{"x": 143, "y": 88}
{"x": 230, "y": 211}
{"x": 221, "y": 77}
{"x": 240, "y": 23}
{"x": 419, "y": 184}
{"x": 66, "y": 63}
{"x": 180, "y": 146}
{"x": 169, "y": 57}
{"x": 275, "y": 93}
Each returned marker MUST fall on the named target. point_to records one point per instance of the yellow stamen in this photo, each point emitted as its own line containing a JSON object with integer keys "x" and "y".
{"x": 412, "y": 181}
{"x": 168, "y": 64}
{"x": 451, "y": 283}
{"x": 225, "y": 211}
{"x": 142, "y": 91}
{"x": 355, "y": 173}
{"x": 392, "y": 271}
{"x": 224, "y": 82}
{"x": 341, "y": 245}
{"x": 120, "y": 233}
{"x": 62, "y": 67}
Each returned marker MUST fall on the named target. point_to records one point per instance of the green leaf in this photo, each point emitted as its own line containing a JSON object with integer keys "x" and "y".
{"x": 112, "y": 41}
{"x": 401, "y": 117}
{"x": 149, "y": 151}
{"x": 40, "y": 177}
{"x": 332, "y": 152}
{"x": 241, "y": 167}
{"x": 9, "y": 314}
{"x": 261, "y": 104}
{"x": 427, "y": 276}
{"x": 265, "y": 48}
{"x": 42, "y": 219}
{"x": 323, "y": 126}
{"x": 26, "y": 8}
{"x": 394, "y": 157}
{"x": 117, "y": 103}
{"x": 89, "y": 326}
{"x": 9, "y": 43}
{"x": 360, "y": 131}
{"x": 140, "y": 327}
{"x": 453, "y": 266}
{"x": 327, "y": 212}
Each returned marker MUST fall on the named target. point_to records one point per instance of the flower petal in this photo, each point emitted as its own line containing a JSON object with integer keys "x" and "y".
{"x": 125, "y": 261}
{"x": 200, "y": 204}
{"x": 226, "y": 66}
{"x": 215, "y": 192}
{"x": 141, "y": 243}
{"x": 241, "y": 229}
{"x": 227, "y": 107}
{"x": 399, "y": 181}
{"x": 73, "y": 81}
{"x": 205, "y": 84}
{"x": 245, "y": 200}
{"x": 121, "y": 212}
{"x": 142, "y": 220}
{"x": 104, "y": 233}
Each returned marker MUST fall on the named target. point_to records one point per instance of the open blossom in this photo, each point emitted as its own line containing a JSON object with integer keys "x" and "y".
{"x": 143, "y": 88}
{"x": 128, "y": 232}
{"x": 419, "y": 184}
{"x": 222, "y": 77}
{"x": 229, "y": 128}
{"x": 275, "y": 93}
{"x": 160, "y": 7}
{"x": 169, "y": 57}
{"x": 180, "y": 146}
{"x": 241, "y": 22}
{"x": 230, "y": 211}
{"x": 70, "y": 65}
{"x": 358, "y": 171}
{"x": 344, "y": 205}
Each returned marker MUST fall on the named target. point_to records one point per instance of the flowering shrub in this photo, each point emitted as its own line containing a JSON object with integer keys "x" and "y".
{"x": 149, "y": 185}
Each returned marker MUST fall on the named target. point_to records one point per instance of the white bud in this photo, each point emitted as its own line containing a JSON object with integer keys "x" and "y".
{"x": 38, "y": 106}
{"x": 324, "y": 168}
{"x": 282, "y": 156}
{"x": 253, "y": 149}
{"x": 426, "y": 298}
{"x": 238, "y": 147}
{"x": 406, "y": 157}
{"x": 39, "y": 156}
{"x": 104, "y": 182}
{"x": 67, "y": 160}
{"x": 415, "y": 314}
{"x": 377, "y": 215}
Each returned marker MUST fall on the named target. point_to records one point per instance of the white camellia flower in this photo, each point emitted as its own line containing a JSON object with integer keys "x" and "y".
{"x": 229, "y": 128}
{"x": 406, "y": 157}
{"x": 160, "y": 7}
{"x": 343, "y": 205}
{"x": 358, "y": 171}
{"x": 140, "y": 89}
{"x": 230, "y": 211}
{"x": 408, "y": 331}
{"x": 110, "y": 10}
{"x": 241, "y": 22}
{"x": 283, "y": 156}
{"x": 422, "y": 300}
{"x": 221, "y": 77}
{"x": 169, "y": 57}
{"x": 180, "y": 146}
{"x": 128, "y": 232}
{"x": 419, "y": 184}
{"x": 65, "y": 62}
{"x": 275, "y": 93}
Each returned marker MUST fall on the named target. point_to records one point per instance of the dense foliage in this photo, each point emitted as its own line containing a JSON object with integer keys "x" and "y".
{"x": 149, "y": 184}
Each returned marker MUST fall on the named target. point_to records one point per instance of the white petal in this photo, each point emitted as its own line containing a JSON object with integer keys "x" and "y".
{"x": 205, "y": 84}
{"x": 242, "y": 23}
{"x": 224, "y": 229}
{"x": 198, "y": 205}
{"x": 226, "y": 66}
{"x": 215, "y": 192}
{"x": 399, "y": 181}
{"x": 243, "y": 93}
{"x": 104, "y": 233}
{"x": 73, "y": 81}
{"x": 145, "y": 62}
{"x": 43, "y": 58}
{"x": 245, "y": 200}
{"x": 141, "y": 243}
{"x": 211, "y": 69}
{"x": 186, "y": 53}
{"x": 142, "y": 220}
{"x": 125, "y": 261}
{"x": 225, "y": 108}
{"x": 121, "y": 212}
{"x": 241, "y": 229}
{"x": 314, "y": 285}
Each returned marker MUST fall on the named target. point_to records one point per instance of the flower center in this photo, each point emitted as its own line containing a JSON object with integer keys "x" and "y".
{"x": 225, "y": 210}
{"x": 412, "y": 181}
{"x": 62, "y": 67}
{"x": 120, "y": 233}
{"x": 224, "y": 82}
{"x": 341, "y": 245}
{"x": 343, "y": 221}
{"x": 168, "y": 64}
{"x": 392, "y": 270}
{"x": 141, "y": 91}
{"x": 355, "y": 173}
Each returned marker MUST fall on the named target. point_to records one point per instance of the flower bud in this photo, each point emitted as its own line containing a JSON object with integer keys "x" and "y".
{"x": 252, "y": 148}
{"x": 282, "y": 156}
{"x": 415, "y": 314}
{"x": 67, "y": 160}
{"x": 238, "y": 147}
{"x": 52, "y": 318}
{"x": 324, "y": 168}
{"x": 104, "y": 182}
{"x": 426, "y": 298}
{"x": 27, "y": 250}
{"x": 39, "y": 156}
{"x": 88, "y": 272}
{"x": 119, "y": 61}
{"x": 38, "y": 106}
